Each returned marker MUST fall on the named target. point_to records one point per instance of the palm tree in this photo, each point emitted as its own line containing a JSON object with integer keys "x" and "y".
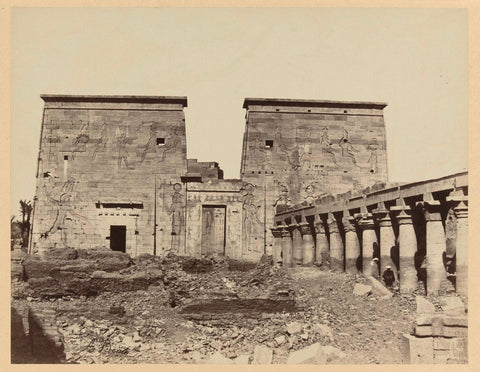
{"x": 26, "y": 211}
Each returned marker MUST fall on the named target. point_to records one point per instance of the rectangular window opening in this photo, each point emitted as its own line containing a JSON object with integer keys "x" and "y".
{"x": 268, "y": 144}
{"x": 160, "y": 141}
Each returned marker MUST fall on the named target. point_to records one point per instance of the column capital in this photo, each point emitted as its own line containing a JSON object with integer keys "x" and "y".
{"x": 431, "y": 209}
{"x": 403, "y": 214}
{"x": 348, "y": 223}
{"x": 276, "y": 231}
{"x": 459, "y": 204}
{"x": 292, "y": 226}
{"x": 365, "y": 221}
{"x": 332, "y": 224}
{"x": 319, "y": 228}
{"x": 381, "y": 214}
{"x": 304, "y": 228}
{"x": 286, "y": 232}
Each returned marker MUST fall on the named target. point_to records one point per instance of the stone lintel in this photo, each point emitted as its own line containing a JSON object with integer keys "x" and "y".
{"x": 182, "y": 100}
{"x": 311, "y": 103}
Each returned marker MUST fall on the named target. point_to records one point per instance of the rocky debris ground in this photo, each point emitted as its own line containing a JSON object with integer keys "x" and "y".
{"x": 147, "y": 325}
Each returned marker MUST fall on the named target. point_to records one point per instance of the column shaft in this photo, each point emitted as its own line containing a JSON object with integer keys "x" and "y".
{"x": 387, "y": 241}
{"x": 287, "y": 248}
{"x": 407, "y": 249}
{"x": 352, "y": 245}
{"x": 461, "y": 253}
{"x": 321, "y": 249}
{"x": 369, "y": 245}
{"x": 336, "y": 246}
{"x": 308, "y": 256}
{"x": 297, "y": 245}
{"x": 277, "y": 244}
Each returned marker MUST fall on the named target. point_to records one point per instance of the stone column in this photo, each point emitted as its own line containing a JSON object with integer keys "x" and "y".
{"x": 336, "y": 245}
{"x": 287, "y": 247}
{"x": 459, "y": 203}
{"x": 322, "y": 255}
{"x": 407, "y": 248}
{"x": 297, "y": 255}
{"x": 352, "y": 245}
{"x": 387, "y": 239}
{"x": 369, "y": 241}
{"x": 308, "y": 256}
{"x": 436, "y": 244}
{"x": 277, "y": 244}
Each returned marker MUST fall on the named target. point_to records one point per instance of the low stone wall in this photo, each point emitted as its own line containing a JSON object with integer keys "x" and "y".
{"x": 35, "y": 337}
{"x": 439, "y": 337}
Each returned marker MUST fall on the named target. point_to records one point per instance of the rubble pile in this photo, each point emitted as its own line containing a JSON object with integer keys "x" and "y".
{"x": 163, "y": 320}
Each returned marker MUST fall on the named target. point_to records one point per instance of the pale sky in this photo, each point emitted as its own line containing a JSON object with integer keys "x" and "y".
{"x": 413, "y": 59}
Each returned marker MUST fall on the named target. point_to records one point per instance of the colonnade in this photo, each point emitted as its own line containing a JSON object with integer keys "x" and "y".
{"x": 385, "y": 231}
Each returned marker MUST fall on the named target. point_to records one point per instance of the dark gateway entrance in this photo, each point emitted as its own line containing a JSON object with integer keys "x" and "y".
{"x": 213, "y": 229}
{"x": 118, "y": 234}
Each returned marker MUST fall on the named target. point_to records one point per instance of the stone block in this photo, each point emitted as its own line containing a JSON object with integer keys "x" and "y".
{"x": 362, "y": 290}
{"x": 417, "y": 350}
{"x": 424, "y": 306}
{"x": 455, "y": 332}
{"x": 323, "y": 330}
{"x": 452, "y": 305}
{"x": 459, "y": 321}
{"x": 262, "y": 355}
{"x": 442, "y": 343}
{"x": 312, "y": 354}
{"x": 294, "y": 328}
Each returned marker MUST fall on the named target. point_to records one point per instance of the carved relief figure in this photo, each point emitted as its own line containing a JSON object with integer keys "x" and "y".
{"x": 250, "y": 209}
{"x": 51, "y": 139}
{"x": 65, "y": 210}
{"x": 373, "y": 159}
{"x": 171, "y": 143}
{"x": 122, "y": 141}
{"x": 101, "y": 145}
{"x": 326, "y": 146}
{"x": 347, "y": 148}
{"x": 81, "y": 140}
{"x": 257, "y": 146}
{"x": 151, "y": 143}
{"x": 177, "y": 211}
{"x": 283, "y": 202}
{"x": 309, "y": 190}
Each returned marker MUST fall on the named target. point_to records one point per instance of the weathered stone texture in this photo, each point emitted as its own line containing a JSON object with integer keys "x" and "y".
{"x": 309, "y": 148}
{"x": 103, "y": 163}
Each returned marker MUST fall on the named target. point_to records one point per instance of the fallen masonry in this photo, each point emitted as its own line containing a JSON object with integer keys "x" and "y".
{"x": 217, "y": 311}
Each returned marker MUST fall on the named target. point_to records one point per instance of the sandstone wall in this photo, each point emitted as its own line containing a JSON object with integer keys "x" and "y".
{"x": 223, "y": 201}
{"x": 102, "y": 161}
{"x": 294, "y": 151}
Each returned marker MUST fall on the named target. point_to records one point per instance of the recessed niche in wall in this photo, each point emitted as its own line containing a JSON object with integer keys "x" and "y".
{"x": 160, "y": 141}
{"x": 268, "y": 144}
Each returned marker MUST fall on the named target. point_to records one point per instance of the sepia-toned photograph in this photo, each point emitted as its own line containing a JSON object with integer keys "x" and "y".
{"x": 239, "y": 186}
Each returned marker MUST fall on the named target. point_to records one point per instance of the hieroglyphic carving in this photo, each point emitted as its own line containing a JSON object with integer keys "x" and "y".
{"x": 309, "y": 191}
{"x": 283, "y": 202}
{"x": 251, "y": 221}
{"x": 151, "y": 143}
{"x": 171, "y": 143}
{"x": 348, "y": 150}
{"x": 177, "y": 211}
{"x": 122, "y": 141}
{"x": 65, "y": 210}
{"x": 101, "y": 145}
{"x": 372, "y": 146}
{"x": 326, "y": 146}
